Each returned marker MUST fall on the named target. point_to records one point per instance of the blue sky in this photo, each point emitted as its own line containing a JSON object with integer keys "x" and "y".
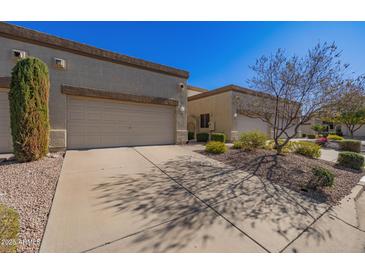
{"x": 215, "y": 53}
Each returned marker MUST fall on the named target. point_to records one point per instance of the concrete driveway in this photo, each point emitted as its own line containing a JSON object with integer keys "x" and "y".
{"x": 172, "y": 199}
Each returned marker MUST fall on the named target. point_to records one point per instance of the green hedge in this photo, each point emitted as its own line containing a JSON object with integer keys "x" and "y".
{"x": 350, "y": 145}
{"x": 307, "y": 149}
{"x": 351, "y": 160}
{"x": 253, "y": 139}
{"x": 9, "y": 229}
{"x": 311, "y": 136}
{"x": 28, "y": 99}
{"x": 190, "y": 135}
{"x": 334, "y": 137}
{"x": 202, "y": 137}
{"x": 215, "y": 147}
{"x": 219, "y": 137}
{"x": 237, "y": 145}
{"x": 322, "y": 177}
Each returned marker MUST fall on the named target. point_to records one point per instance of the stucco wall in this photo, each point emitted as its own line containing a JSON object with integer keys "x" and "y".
{"x": 92, "y": 73}
{"x": 220, "y": 109}
{"x": 238, "y": 98}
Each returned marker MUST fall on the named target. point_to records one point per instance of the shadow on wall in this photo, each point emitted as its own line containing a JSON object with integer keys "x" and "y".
{"x": 240, "y": 197}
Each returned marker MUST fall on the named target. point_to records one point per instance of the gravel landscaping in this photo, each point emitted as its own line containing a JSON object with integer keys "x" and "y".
{"x": 29, "y": 189}
{"x": 293, "y": 171}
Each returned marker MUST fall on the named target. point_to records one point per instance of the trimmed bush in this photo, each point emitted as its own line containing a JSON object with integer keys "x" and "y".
{"x": 190, "y": 135}
{"x": 350, "y": 145}
{"x": 351, "y": 160}
{"x": 202, "y": 137}
{"x": 322, "y": 177}
{"x": 237, "y": 145}
{"x": 219, "y": 137}
{"x": 28, "y": 98}
{"x": 334, "y": 137}
{"x": 304, "y": 135}
{"x": 9, "y": 229}
{"x": 311, "y": 136}
{"x": 253, "y": 139}
{"x": 308, "y": 149}
{"x": 215, "y": 147}
{"x": 289, "y": 147}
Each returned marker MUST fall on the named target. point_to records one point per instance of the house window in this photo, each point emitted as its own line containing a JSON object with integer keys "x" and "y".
{"x": 204, "y": 120}
{"x": 329, "y": 125}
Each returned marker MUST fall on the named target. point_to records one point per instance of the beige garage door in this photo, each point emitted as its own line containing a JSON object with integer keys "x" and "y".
{"x": 5, "y": 134}
{"x": 245, "y": 123}
{"x": 93, "y": 123}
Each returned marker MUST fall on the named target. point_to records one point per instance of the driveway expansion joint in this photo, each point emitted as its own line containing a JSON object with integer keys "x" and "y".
{"x": 202, "y": 201}
{"x": 140, "y": 231}
{"x": 347, "y": 223}
{"x": 304, "y": 230}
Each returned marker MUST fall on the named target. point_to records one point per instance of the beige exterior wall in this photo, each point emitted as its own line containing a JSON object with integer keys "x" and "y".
{"x": 224, "y": 112}
{"x": 220, "y": 109}
{"x": 237, "y": 97}
{"x": 92, "y": 73}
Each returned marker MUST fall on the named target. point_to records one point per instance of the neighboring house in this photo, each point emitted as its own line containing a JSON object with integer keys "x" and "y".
{"x": 217, "y": 111}
{"x": 331, "y": 127}
{"x": 97, "y": 98}
{"x": 195, "y": 90}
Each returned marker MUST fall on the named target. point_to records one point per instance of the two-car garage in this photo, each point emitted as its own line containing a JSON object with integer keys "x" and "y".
{"x": 93, "y": 123}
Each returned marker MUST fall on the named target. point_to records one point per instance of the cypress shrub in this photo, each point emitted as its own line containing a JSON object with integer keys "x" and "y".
{"x": 29, "y": 118}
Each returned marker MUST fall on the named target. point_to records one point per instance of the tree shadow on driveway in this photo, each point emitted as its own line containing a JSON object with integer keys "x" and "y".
{"x": 194, "y": 204}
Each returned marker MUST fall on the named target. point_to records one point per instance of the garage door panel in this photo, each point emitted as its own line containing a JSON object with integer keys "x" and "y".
{"x": 245, "y": 124}
{"x": 105, "y": 123}
{"x": 6, "y": 144}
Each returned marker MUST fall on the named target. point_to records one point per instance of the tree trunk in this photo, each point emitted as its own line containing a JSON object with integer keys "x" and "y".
{"x": 279, "y": 149}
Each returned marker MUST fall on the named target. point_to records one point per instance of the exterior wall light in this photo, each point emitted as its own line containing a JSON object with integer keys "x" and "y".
{"x": 235, "y": 115}
{"x": 182, "y": 108}
{"x": 59, "y": 63}
{"x": 19, "y": 54}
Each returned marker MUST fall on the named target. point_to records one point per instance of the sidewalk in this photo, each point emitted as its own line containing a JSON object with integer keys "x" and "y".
{"x": 339, "y": 229}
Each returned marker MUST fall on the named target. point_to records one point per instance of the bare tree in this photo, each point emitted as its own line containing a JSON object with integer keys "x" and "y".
{"x": 293, "y": 89}
{"x": 349, "y": 108}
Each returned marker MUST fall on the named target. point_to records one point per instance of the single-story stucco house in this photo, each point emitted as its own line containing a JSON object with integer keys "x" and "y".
{"x": 98, "y": 98}
{"x": 218, "y": 111}
{"x": 332, "y": 127}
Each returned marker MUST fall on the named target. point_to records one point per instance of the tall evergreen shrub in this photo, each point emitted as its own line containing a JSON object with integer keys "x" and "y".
{"x": 29, "y": 118}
